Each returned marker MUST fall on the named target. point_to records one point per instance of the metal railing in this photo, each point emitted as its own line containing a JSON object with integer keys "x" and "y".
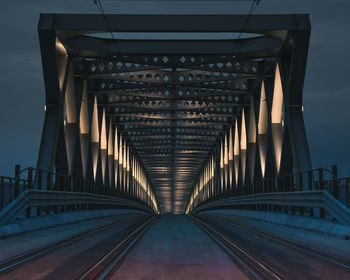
{"x": 12, "y": 188}
{"x": 299, "y": 202}
{"x": 320, "y": 179}
{"x": 33, "y": 202}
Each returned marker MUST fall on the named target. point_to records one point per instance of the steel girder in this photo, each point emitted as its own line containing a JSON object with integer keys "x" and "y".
{"x": 192, "y": 115}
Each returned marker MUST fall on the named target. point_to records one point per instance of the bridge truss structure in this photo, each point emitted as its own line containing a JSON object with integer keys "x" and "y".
{"x": 174, "y": 110}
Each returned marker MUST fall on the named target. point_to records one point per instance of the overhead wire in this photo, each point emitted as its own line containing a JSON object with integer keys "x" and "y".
{"x": 102, "y": 12}
{"x": 253, "y": 6}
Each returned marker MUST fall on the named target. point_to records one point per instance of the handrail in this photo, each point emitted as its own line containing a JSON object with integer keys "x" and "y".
{"x": 309, "y": 180}
{"x": 13, "y": 179}
{"x": 45, "y": 198}
{"x": 315, "y": 199}
{"x": 63, "y": 182}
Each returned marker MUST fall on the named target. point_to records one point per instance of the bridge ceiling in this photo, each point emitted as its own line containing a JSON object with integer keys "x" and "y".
{"x": 173, "y": 110}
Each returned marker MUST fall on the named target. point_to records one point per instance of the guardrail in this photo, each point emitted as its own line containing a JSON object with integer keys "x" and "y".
{"x": 315, "y": 179}
{"x": 48, "y": 202}
{"x": 286, "y": 202}
{"x": 12, "y": 188}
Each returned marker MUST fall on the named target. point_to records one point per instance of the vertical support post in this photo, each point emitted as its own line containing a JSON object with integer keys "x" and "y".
{"x": 309, "y": 179}
{"x": 320, "y": 184}
{"x": 17, "y": 179}
{"x": 320, "y": 178}
{"x": 335, "y": 188}
{"x": 30, "y": 185}
{"x": 299, "y": 179}
{"x": 2, "y": 194}
{"x": 49, "y": 176}
{"x": 39, "y": 186}
{"x": 30, "y": 177}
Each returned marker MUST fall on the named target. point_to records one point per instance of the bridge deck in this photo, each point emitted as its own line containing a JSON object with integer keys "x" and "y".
{"x": 175, "y": 248}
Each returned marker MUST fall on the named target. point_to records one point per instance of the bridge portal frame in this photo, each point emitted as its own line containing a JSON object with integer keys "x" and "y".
{"x": 293, "y": 30}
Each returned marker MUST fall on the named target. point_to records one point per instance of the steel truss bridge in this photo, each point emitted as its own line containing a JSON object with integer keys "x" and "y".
{"x": 174, "y": 122}
{"x": 185, "y": 114}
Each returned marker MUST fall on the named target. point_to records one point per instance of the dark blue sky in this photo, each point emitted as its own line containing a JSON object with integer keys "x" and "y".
{"x": 326, "y": 91}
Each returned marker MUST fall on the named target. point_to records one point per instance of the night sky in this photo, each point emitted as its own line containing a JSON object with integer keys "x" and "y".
{"x": 326, "y": 90}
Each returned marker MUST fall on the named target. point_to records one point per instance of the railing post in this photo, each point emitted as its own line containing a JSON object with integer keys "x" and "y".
{"x": 48, "y": 187}
{"x": 309, "y": 177}
{"x": 335, "y": 181}
{"x": 40, "y": 179}
{"x": 30, "y": 177}
{"x": 30, "y": 185}
{"x": 320, "y": 184}
{"x": 347, "y": 190}
{"x": 322, "y": 213}
{"x": 283, "y": 179}
{"x": 17, "y": 179}
{"x": 2, "y": 189}
{"x": 299, "y": 179}
{"x": 56, "y": 186}
{"x": 320, "y": 178}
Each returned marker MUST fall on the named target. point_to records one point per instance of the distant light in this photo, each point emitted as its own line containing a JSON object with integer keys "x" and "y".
{"x": 282, "y": 122}
{"x": 302, "y": 108}
{"x": 64, "y": 122}
{"x": 45, "y": 108}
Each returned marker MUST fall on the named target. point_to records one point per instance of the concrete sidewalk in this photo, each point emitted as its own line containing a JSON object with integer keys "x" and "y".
{"x": 175, "y": 248}
{"x": 22, "y": 243}
{"x": 334, "y": 244}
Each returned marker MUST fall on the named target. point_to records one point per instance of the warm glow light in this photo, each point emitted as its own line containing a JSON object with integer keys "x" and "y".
{"x": 263, "y": 129}
{"x": 276, "y": 118}
{"x": 222, "y": 155}
{"x": 263, "y": 125}
{"x": 213, "y": 166}
{"x": 61, "y": 62}
{"x": 103, "y": 131}
{"x": 243, "y": 133}
{"x": 84, "y": 115}
{"x": 226, "y": 150}
{"x": 231, "y": 145}
{"x": 95, "y": 135}
{"x": 124, "y": 155}
{"x": 103, "y": 145}
{"x": 243, "y": 146}
{"x": 128, "y": 160}
{"x": 110, "y": 139}
{"x": 60, "y": 48}
{"x": 116, "y": 147}
{"x": 252, "y": 124}
{"x": 120, "y": 150}
{"x": 236, "y": 152}
{"x": 71, "y": 111}
{"x": 236, "y": 143}
{"x": 263, "y": 145}
{"x": 277, "y": 103}
{"x": 95, "y": 138}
